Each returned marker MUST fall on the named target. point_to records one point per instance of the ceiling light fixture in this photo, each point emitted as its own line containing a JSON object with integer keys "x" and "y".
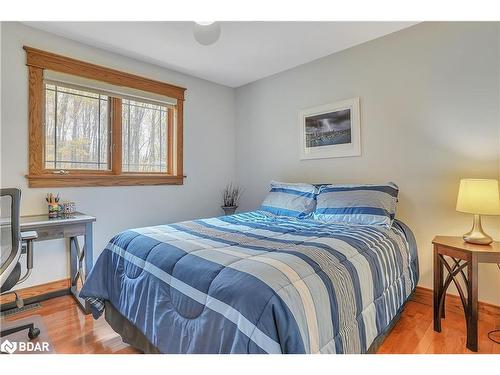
{"x": 206, "y": 33}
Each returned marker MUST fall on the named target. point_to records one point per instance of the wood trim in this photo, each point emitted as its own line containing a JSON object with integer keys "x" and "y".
{"x": 52, "y": 61}
{"x": 37, "y": 181}
{"x": 38, "y": 176}
{"x": 453, "y": 303}
{"x": 170, "y": 140}
{"x": 37, "y": 290}
{"x": 35, "y": 112}
{"x": 179, "y": 165}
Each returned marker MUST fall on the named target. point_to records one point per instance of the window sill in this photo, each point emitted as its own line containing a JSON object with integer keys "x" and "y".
{"x": 89, "y": 180}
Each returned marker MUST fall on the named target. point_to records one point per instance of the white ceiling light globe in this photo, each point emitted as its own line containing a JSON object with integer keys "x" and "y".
{"x": 204, "y": 23}
{"x": 206, "y": 33}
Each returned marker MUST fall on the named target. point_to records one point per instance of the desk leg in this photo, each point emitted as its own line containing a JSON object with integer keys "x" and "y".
{"x": 438, "y": 289}
{"x": 89, "y": 249}
{"x": 472, "y": 313}
{"x": 79, "y": 272}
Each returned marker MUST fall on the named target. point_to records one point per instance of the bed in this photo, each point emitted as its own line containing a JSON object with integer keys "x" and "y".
{"x": 254, "y": 283}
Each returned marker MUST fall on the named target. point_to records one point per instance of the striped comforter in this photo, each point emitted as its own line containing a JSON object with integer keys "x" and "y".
{"x": 255, "y": 283}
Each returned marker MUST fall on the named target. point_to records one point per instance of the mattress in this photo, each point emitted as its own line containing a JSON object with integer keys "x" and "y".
{"x": 256, "y": 283}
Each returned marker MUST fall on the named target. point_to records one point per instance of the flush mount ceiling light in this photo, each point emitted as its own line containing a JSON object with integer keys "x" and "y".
{"x": 206, "y": 33}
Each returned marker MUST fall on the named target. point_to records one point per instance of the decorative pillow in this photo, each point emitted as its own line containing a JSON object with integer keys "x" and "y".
{"x": 357, "y": 204}
{"x": 292, "y": 200}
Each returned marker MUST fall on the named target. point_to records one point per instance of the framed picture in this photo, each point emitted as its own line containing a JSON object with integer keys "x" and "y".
{"x": 331, "y": 130}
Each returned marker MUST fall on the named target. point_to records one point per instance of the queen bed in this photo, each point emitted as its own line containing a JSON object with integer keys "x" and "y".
{"x": 255, "y": 282}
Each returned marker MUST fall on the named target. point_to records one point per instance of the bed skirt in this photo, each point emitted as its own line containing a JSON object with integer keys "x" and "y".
{"x": 134, "y": 337}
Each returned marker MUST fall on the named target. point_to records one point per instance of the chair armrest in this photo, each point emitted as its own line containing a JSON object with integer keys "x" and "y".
{"x": 29, "y": 236}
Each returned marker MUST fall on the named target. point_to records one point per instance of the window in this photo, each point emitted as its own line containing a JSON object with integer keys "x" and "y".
{"x": 144, "y": 137}
{"x": 94, "y": 126}
{"x": 77, "y": 129}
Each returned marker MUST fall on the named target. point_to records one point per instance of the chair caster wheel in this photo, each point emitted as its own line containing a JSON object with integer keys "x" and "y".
{"x": 33, "y": 333}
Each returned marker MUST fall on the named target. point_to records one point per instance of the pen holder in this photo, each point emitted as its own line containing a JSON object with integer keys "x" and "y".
{"x": 53, "y": 210}
{"x": 67, "y": 207}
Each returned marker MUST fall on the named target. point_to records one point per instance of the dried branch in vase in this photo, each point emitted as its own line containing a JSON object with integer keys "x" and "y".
{"x": 230, "y": 195}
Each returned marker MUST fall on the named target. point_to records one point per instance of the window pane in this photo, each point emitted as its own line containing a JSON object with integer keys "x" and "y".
{"x": 144, "y": 135}
{"x": 76, "y": 129}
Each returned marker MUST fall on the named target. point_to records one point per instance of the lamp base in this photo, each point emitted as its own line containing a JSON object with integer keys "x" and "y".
{"x": 476, "y": 235}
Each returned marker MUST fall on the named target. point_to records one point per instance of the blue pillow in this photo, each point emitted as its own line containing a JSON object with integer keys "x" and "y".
{"x": 357, "y": 204}
{"x": 292, "y": 200}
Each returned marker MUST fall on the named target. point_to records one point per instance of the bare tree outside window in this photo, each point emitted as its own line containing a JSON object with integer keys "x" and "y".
{"x": 144, "y": 132}
{"x": 76, "y": 129}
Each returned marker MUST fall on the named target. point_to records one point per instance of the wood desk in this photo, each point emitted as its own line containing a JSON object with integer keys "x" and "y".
{"x": 461, "y": 255}
{"x": 69, "y": 226}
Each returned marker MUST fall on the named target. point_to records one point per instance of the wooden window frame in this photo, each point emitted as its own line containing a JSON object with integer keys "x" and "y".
{"x": 38, "y": 176}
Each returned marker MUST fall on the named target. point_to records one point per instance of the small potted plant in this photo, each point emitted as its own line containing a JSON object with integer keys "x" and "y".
{"x": 230, "y": 196}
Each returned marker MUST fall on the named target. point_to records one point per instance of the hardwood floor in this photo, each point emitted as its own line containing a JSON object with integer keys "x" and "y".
{"x": 73, "y": 332}
{"x": 414, "y": 333}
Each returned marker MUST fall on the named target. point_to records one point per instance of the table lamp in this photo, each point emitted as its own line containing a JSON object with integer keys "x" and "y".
{"x": 478, "y": 197}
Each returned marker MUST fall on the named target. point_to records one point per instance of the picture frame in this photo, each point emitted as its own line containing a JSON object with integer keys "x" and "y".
{"x": 330, "y": 131}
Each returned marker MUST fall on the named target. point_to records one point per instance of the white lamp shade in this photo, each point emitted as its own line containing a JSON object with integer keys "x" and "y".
{"x": 478, "y": 196}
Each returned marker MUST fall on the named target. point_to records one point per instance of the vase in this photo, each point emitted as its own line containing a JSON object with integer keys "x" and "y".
{"x": 229, "y": 210}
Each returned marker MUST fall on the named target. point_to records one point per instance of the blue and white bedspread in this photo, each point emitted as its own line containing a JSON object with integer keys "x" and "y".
{"x": 254, "y": 283}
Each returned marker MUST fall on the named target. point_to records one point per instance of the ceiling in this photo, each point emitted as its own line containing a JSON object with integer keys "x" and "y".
{"x": 245, "y": 52}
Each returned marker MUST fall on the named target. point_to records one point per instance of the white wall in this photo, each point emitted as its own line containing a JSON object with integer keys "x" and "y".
{"x": 429, "y": 116}
{"x": 209, "y": 150}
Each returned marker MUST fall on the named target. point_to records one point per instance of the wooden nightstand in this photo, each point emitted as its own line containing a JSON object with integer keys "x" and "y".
{"x": 461, "y": 255}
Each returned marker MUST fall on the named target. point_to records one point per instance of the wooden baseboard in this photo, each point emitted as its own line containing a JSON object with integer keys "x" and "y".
{"x": 453, "y": 302}
{"x": 38, "y": 290}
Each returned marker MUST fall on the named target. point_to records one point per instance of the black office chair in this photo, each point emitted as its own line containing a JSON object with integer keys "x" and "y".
{"x": 13, "y": 243}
